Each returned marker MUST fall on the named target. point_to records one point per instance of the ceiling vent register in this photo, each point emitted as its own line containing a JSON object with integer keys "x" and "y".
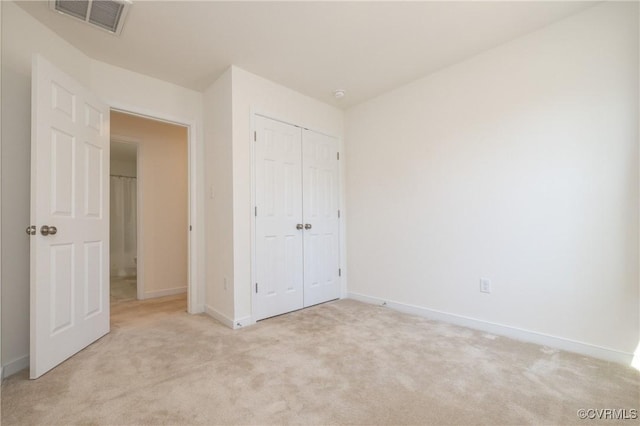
{"x": 107, "y": 15}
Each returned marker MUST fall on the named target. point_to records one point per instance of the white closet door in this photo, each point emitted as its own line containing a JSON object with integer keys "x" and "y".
{"x": 278, "y": 287}
{"x": 320, "y": 212}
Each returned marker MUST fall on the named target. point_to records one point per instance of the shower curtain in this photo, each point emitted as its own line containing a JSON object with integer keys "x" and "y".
{"x": 123, "y": 226}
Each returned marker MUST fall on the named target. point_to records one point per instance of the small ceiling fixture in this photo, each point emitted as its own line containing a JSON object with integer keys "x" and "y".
{"x": 339, "y": 94}
{"x": 105, "y": 14}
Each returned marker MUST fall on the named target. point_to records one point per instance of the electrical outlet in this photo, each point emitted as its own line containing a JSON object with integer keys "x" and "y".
{"x": 485, "y": 285}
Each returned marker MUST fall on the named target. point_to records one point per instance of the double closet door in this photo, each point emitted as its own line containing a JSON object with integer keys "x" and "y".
{"x": 296, "y": 218}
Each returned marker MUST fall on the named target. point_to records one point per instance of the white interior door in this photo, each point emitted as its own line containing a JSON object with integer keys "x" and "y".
{"x": 320, "y": 212}
{"x": 278, "y": 234}
{"x": 69, "y": 191}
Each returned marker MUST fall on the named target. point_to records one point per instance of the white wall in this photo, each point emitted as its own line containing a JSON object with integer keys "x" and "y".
{"x": 128, "y": 90}
{"x": 519, "y": 165}
{"x": 22, "y": 37}
{"x": 251, "y": 93}
{"x": 219, "y": 199}
{"x": 163, "y": 185}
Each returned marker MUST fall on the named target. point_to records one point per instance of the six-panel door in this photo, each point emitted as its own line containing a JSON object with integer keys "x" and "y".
{"x": 69, "y": 195}
{"x": 296, "y": 218}
{"x": 279, "y": 275}
{"x": 320, "y": 212}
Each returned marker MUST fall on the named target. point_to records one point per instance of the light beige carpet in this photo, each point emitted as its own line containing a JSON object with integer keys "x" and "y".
{"x": 339, "y": 363}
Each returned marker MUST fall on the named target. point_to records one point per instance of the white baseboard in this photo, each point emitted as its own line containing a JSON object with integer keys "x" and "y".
{"x": 561, "y": 343}
{"x": 219, "y": 316}
{"x": 197, "y": 309}
{"x": 243, "y": 322}
{"x": 165, "y": 292}
{"x": 15, "y": 366}
{"x": 225, "y": 320}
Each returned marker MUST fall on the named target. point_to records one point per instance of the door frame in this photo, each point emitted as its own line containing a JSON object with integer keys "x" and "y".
{"x": 139, "y": 209}
{"x": 341, "y": 240}
{"x": 195, "y": 290}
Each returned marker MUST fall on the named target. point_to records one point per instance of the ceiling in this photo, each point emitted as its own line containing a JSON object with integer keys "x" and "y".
{"x": 366, "y": 48}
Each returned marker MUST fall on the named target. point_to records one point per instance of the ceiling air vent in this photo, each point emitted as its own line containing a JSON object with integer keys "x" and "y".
{"x": 105, "y": 14}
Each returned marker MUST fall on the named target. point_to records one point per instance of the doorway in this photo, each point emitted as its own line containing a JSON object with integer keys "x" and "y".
{"x": 123, "y": 271}
{"x": 149, "y": 208}
{"x": 69, "y": 266}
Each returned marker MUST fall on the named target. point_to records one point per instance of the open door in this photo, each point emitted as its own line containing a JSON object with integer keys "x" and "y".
{"x": 69, "y": 221}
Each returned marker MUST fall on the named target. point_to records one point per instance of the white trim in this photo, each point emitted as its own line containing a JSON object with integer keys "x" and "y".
{"x": 195, "y": 281}
{"x": 218, "y": 316}
{"x": 636, "y": 358}
{"x": 15, "y": 366}
{"x": 140, "y": 270}
{"x": 569, "y": 345}
{"x": 243, "y": 322}
{"x": 255, "y": 111}
{"x": 225, "y": 320}
{"x": 165, "y": 292}
{"x": 342, "y": 222}
{"x": 252, "y": 123}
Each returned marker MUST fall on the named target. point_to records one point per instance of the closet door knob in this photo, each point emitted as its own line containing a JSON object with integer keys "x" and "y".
{"x": 307, "y": 226}
{"x": 299, "y": 226}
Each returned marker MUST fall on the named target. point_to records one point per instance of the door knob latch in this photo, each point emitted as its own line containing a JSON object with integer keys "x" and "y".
{"x": 48, "y": 230}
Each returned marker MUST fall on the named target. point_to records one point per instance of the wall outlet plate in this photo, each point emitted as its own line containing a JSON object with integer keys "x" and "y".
{"x": 485, "y": 285}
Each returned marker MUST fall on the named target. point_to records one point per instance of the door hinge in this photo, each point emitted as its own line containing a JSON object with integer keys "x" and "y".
{"x": 338, "y": 156}
{"x": 256, "y": 287}
{"x": 255, "y": 211}
{"x": 339, "y": 272}
{"x": 338, "y": 214}
{"x": 255, "y": 136}
{"x": 190, "y": 228}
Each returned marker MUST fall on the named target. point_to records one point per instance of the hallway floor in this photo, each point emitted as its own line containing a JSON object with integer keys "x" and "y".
{"x": 123, "y": 289}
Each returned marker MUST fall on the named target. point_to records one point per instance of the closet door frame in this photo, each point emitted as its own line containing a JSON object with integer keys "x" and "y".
{"x": 341, "y": 228}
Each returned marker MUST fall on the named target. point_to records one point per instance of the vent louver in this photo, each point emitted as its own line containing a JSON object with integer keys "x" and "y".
{"x": 106, "y": 14}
